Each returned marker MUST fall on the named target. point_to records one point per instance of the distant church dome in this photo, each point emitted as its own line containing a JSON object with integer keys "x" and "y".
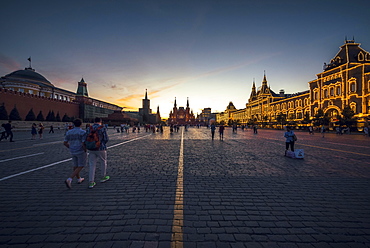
{"x": 29, "y": 74}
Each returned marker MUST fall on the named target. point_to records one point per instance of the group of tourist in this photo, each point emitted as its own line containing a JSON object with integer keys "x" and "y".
{"x": 79, "y": 141}
{"x": 221, "y": 129}
{"x": 37, "y": 130}
{"x": 6, "y": 131}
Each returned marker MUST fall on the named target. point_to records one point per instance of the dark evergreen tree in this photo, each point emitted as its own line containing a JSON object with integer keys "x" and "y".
{"x": 57, "y": 118}
{"x": 281, "y": 119}
{"x": 40, "y": 117}
{"x": 347, "y": 118}
{"x": 14, "y": 115}
{"x": 52, "y": 116}
{"x": 321, "y": 118}
{"x": 65, "y": 118}
{"x": 3, "y": 113}
{"x": 30, "y": 116}
{"x": 306, "y": 119}
{"x": 48, "y": 116}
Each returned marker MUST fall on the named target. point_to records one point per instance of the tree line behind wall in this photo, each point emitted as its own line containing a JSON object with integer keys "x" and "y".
{"x": 14, "y": 115}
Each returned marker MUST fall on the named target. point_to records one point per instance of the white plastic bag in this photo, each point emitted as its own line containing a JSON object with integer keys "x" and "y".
{"x": 299, "y": 153}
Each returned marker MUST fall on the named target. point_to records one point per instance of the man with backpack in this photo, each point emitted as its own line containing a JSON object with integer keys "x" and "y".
{"x": 96, "y": 143}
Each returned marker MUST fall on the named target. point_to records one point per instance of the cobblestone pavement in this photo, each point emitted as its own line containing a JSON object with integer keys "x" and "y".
{"x": 239, "y": 192}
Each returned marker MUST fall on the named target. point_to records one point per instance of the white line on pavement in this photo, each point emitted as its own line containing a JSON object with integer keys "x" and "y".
{"x": 178, "y": 214}
{"x": 39, "y": 168}
{"x": 47, "y": 143}
{"x": 26, "y": 156}
{"x": 65, "y": 160}
{"x": 127, "y": 141}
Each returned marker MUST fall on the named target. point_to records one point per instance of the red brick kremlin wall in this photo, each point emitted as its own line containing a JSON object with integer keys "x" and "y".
{"x": 24, "y": 102}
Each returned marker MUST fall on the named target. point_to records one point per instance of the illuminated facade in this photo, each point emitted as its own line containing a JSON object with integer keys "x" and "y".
{"x": 345, "y": 81}
{"x": 228, "y": 114}
{"x": 181, "y": 115}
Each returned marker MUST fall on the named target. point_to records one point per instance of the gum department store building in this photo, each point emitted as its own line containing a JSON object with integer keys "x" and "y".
{"x": 345, "y": 81}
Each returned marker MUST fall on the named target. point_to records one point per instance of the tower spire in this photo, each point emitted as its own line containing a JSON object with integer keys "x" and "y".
{"x": 146, "y": 94}
{"x": 82, "y": 88}
{"x": 264, "y": 82}
{"x": 254, "y": 87}
{"x": 187, "y": 102}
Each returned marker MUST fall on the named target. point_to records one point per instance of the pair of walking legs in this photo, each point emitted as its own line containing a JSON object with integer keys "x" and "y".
{"x": 79, "y": 162}
{"x": 94, "y": 158}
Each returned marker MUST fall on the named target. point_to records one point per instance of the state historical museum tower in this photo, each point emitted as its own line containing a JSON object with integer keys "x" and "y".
{"x": 181, "y": 115}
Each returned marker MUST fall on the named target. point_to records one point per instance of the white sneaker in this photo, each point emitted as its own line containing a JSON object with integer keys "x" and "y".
{"x": 68, "y": 183}
{"x": 80, "y": 180}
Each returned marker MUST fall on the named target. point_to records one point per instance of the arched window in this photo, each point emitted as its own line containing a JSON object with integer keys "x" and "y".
{"x": 367, "y": 57}
{"x": 353, "y": 106}
{"x": 331, "y": 91}
{"x": 352, "y": 85}
{"x": 360, "y": 56}
{"x": 338, "y": 91}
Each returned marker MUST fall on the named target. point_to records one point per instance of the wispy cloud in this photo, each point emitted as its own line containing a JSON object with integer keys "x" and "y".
{"x": 8, "y": 63}
{"x": 233, "y": 67}
{"x": 128, "y": 98}
{"x": 113, "y": 86}
{"x": 154, "y": 93}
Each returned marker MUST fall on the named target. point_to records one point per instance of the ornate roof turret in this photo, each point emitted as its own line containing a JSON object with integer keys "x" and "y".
{"x": 264, "y": 81}
{"x": 264, "y": 88}
{"x": 230, "y": 106}
{"x": 350, "y": 52}
{"x": 253, "y": 93}
{"x": 82, "y": 88}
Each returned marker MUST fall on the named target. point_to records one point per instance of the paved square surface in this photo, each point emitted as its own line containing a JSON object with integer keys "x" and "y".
{"x": 185, "y": 190}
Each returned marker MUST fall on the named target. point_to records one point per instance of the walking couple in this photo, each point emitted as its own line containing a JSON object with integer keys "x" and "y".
{"x": 94, "y": 140}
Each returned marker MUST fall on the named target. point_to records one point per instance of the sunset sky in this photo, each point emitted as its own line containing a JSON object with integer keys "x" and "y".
{"x": 209, "y": 51}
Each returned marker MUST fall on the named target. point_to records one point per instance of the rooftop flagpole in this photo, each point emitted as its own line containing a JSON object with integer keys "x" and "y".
{"x": 29, "y": 59}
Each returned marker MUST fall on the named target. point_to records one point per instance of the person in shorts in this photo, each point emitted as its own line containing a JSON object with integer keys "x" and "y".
{"x": 99, "y": 155}
{"x": 74, "y": 140}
